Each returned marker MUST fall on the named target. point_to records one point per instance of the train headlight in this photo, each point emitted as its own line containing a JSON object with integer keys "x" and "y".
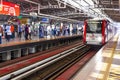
{"x": 87, "y": 38}
{"x": 99, "y": 38}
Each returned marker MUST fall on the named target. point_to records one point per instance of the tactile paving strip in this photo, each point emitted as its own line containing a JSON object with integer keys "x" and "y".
{"x": 115, "y": 66}
{"x": 114, "y": 72}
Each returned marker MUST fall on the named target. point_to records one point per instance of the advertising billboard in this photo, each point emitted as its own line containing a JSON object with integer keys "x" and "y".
{"x": 8, "y": 8}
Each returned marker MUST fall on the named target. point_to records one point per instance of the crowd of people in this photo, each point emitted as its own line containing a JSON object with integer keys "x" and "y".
{"x": 26, "y": 31}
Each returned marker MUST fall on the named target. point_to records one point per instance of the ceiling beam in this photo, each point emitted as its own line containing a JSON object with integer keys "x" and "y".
{"x": 119, "y": 5}
{"x": 107, "y": 8}
{"x": 114, "y": 14}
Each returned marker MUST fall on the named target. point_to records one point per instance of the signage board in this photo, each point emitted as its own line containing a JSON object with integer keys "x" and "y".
{"x": 8, "y": 8}
{"x": 46, "y": 20}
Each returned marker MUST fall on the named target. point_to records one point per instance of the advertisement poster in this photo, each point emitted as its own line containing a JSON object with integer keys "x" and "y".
{"x": 8, "y": 8}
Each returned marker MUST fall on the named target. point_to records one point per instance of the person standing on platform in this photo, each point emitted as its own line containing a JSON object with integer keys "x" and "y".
{"x": 41, "y": 31}
{"x": 58, "y": 30}
{"x": 26, "y": 32}
{"x": 63, "y": 30}
{"x": 19, "y": 31}
{"x": 8, "y": 31}
{"x": 66, "y": 31}
{"x": 51, "y": 31}
{"x": 1, "y": 33}
{"x": 12, "y": 31}
{"x": 5, "y": 31}
{"x": 55, "y": 31}
{"x": 29, "y": 31}
{"x": 45, "y": 31}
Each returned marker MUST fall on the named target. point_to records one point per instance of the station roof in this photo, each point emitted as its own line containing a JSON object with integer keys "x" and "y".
{"x": 73, "y": 9}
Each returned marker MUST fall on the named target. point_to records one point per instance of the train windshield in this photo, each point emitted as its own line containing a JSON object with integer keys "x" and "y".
{"x": 94, "y": 27}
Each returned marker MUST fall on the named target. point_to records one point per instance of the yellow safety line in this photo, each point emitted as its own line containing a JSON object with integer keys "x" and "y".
{"x": 114, "y": 72}
{"x": 109, "y": 62}
{"x": 114, "y": 47}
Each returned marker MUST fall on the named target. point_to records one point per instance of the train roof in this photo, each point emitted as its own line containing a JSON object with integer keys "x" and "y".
{"x": 98, "y": 19}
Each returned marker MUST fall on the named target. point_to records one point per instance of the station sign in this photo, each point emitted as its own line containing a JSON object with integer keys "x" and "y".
{"x": 8, "y": 8}
{"x": 45, "y": 20}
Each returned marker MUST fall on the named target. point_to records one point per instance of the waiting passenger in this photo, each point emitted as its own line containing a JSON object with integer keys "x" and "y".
{"x": 54, "y": 31}
{"x": 8, "y": 31}
{"x": 63, "y": 30}
{"x": 12, "y": 31}
{"x": 19, "y": 31}
{"x": 58, "y": 30}
{"x": 41, "y": 31}
{"x": 1, "y": 34}
{"x": 29, "y": 32}
{"x": 26, "y": 32}
{"x": 66, "y": 33}
{"x": 45, "y": 31}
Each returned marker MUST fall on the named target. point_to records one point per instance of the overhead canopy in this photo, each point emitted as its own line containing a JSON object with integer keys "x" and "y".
{"x": 75, "y": 9}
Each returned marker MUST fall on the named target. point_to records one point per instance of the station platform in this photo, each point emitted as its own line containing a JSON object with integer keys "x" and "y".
{"x": 19, "y": 47}
{"x": 105, "y": 65}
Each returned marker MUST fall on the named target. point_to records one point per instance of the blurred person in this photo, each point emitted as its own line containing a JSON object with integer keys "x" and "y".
{"x": 1, "y": 34}
{"x": 66, "y": 31}
{"x": 48, "y": 31}
{"x": 8, "y": 31}
{"x": 71, "y": 28}
{"x": 63, "y": 30}
{"x": 45, "y": 31}
{"x": 58, "y": 30}
{"x": 19, "y": 31}
{"x": 29, "y": 32}
{"x": 12, "y": 31}
{"x": 74, "y": 29}
{"x": 41, "y": 31}
{"x": 55, "y": 31}
{"x": 26, "y": 32}
{"x": 5, "y": 31}
{"x": 51, "y": 31}
{"x": 23, "y": 29}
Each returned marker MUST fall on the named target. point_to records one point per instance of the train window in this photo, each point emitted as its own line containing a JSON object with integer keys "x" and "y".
{"x": 94, "y": 27}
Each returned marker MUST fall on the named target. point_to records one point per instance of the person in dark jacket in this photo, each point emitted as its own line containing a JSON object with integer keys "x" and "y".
{"x": 26, "y": 32}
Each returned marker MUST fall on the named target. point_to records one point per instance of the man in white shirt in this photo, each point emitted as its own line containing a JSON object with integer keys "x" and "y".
{"x": 8, "y": 31}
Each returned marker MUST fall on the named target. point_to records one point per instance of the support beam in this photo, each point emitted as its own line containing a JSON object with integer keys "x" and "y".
{"x": 108, "y": 9}
{"x": 68, "y": 14}
{"x": 32, "y": 2}
{"x": 119, "y": 5}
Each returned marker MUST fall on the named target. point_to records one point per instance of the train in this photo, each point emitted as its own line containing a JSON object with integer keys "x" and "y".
{"x": 97, "y": 31}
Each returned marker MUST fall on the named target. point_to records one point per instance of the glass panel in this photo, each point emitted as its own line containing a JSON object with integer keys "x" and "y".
{"x": 94, "y": 27}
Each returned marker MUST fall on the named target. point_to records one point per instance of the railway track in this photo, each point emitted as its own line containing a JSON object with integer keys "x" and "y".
{"x": 56, "y": 66}
{"x": 59, "y": 66}
{"x": 9, "y": 70}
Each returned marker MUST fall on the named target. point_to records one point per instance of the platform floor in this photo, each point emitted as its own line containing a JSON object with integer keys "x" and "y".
{"x": 34, "y": 39}
{"x": 16, "y": 39}
{"x": 105, "y": 65}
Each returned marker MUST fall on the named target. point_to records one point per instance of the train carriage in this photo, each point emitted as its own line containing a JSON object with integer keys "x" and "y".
{"x": 97, "y": 31}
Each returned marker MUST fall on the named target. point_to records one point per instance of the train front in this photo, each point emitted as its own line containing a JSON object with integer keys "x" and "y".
{"x": 92, "y": 34}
